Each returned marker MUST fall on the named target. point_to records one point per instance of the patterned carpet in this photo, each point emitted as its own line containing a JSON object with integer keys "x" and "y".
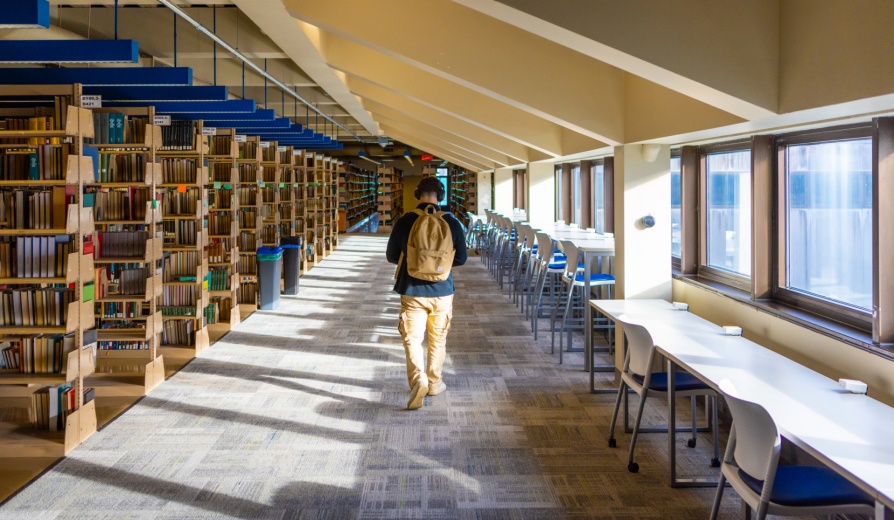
{"x": 299, "y": 413}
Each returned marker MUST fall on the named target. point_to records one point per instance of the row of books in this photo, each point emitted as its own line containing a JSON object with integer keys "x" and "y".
{"x": 52, "y": 405}
{"x": 178, "y": 310}
{"x": 38, "y": 353}
{"x": 218, "y": 280}
{"x": 220, "y": 198}
{"x": 33, "y": 209}
{"x": 248, "y": 173}
{"x": 180, "y": 295}
{"x": 220, "y": 145}
{"x": 179, "y": 135}
{"x": 248, "y": 150}
{"x": 217, "y": 250}
{"x": 34, "y": 257}
{"x": 220, "y": 172}
{"x": 121, "y": 244}
{"x": 181, "y": 232}
{"x": 219, "y": 223}
{"x": 180, "y": 264}
{"x": 126, "y": 204}
{"x": 248, "y": 218}
{"x": 125, "y": 282}
{"x": 178, "y": 332}
{"x": 268, "y": 195}
{"x": 44, "y": 307}
{"x": 111, "y": 128}
{"x": 179, "y": 171}
{"x": 181, "y": 203}
{"x": 122, "y": 167}
{"x": 34, "y": 124}
{"x": 247, "y": 264}
{"x": 122, "y": 309}
{"x": 247, "y": 242}
{"x": 247, "y": 293}
{"x": 123, "y": 345}
{"x": 212, "y": 313}
{"x": 246, "y": 196}
{"x": 45, "y": 163}
{"x": 269, "y": 234}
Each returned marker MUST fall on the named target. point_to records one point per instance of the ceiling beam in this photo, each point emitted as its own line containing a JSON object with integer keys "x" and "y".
{"x": 442, "y": 152}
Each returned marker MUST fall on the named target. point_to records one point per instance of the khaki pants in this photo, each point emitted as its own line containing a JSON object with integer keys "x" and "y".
{"x": 416, "y": 316}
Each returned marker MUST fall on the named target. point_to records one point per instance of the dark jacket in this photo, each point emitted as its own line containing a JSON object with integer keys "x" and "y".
{"x": 397, "y": 244}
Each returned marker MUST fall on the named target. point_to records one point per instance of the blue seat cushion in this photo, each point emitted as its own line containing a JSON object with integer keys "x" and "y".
{"x": 557, "y": 265}
{"x": 684, "y": 382}
{"x": 595, "y": 277}
{"x": 809, "y": 486}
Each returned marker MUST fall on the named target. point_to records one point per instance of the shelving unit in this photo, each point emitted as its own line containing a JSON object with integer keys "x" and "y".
{"x": 356, "y": 196}
{"x": 330, "y": 191}
{"x": 291, "y": 208}
{"x": 250, "y": 217}
{"x": 314, "y": 203}
{"x": 463, "y": 193}
{"x": 186, "y": 263}
{"x": 223, "y": 227}
{"x": 54, "y": 181}
{"x": 270, "y": 186}
{"x": 390, "y": 197}
{"x": 127, "y": 254}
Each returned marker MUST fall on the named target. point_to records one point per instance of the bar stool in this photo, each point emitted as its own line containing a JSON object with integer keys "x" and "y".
{"x": 576, "y": 299}
{"x": 548, "y": 287}
{"x": 525, "y": 246}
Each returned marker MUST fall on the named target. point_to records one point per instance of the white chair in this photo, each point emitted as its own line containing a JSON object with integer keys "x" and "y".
{"x": 751, "y": 465}
{"x": 637, "y": 375}
{"x": 576, "y": 299}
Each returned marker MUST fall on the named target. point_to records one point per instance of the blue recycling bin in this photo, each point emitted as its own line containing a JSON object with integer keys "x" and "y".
{"x": 269, "y": 273}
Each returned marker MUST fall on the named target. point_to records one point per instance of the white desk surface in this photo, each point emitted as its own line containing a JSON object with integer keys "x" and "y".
{"x": 853, "y": 434}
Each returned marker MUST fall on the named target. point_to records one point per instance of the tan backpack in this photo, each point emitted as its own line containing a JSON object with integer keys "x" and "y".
{"x": 430, "y": 249}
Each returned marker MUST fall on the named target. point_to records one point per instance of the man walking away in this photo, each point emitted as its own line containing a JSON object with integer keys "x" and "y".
{"x": 425, "y": 244}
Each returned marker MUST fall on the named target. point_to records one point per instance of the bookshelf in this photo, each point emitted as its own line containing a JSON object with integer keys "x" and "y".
{"x": 42, "y": 180}
{"x": 291, "y": 208}
{"x": 188, "y": 277}
{"x": 223, "y": 226}
{"x": 315, "y": 227}
{"x": 127, "y": 250}
{"x": 463, "y": 193}
{"x": 331, "y": 193}
{"x": 271, "y": 187}
{"x": 250, "y": 213}
{"x": 356, "y": 196}
{"x": 390, "y": 197}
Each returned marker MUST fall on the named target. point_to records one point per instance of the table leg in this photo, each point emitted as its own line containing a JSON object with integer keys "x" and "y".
{"x": 672, "y": 422}
{"x": 588, "y": 321}
{"x": 879, "y": 510}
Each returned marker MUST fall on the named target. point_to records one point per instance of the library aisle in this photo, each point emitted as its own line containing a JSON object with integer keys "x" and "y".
{"x": 299, "y": 413}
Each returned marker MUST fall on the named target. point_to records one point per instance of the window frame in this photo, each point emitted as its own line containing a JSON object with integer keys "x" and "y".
{"x": 677, "y": 261}
{"x": 721, "y": 276}
{"x": 837, "y": 311}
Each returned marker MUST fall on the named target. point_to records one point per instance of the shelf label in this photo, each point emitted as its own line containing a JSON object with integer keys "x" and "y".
{"x": 91, "y": 101}
{"x": 282, "y": 185}
{"x": 209, "y": 130}
{"x": 216, "y": 185}
{"x": 280, "y": 149}
{"x": 265, "y": 144}
{"x": 296, "y": 152}
{"x": 228, "y": 186}
{"x": 261, "y": 184}
{"x": 161, "y": 120}
{"x": 240, "y": 138}
{"x": 181, "y": 188}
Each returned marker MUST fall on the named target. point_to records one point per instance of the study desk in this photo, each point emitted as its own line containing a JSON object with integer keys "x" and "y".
{"x": 850, "y": 433}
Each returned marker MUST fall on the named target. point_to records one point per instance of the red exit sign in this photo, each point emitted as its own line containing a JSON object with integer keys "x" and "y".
{"x": 427, "y": 157}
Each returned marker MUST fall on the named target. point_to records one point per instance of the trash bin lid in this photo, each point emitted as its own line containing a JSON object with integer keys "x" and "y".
{"x": 267, "y": 250}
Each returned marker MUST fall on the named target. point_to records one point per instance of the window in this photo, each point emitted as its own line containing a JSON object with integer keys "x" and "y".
{"x": 599, "y": 197}
{"x": 828, "y": 221}
{"x": 728, "y": 204}
{"x": 676, "y": 209}
{"x": 576, "y": 195}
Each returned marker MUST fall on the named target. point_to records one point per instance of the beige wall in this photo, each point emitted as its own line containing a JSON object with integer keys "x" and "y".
{"x": 826, "y": 355}
{"x": 484, "y": 202}
{"x": 642, "y": 255}
{"x": 410, "y": 183}
{"x": 541, "y": 192}
{"x": 503, "y": 190}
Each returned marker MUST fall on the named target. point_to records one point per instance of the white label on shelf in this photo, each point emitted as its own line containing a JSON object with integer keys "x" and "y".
{"x": 240, "y": 138}
{"x": 91, "y": 101}
{"x": 161, "y": 120}
{"x": 280, "y": 148}
{"x": 296, "y": 152}
{"x": 265, "y": 144}
{"x": 209, "y": 130}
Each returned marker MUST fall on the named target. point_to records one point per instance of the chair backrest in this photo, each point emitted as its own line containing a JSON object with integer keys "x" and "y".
{"x": 640, "y": 347}
{"x": 544, "y": 247}
{"x": 529, "y": 235}
{"x": 757, "y": 438}
{"x": 570, "y": 251}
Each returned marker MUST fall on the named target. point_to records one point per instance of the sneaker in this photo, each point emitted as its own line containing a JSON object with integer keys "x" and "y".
{"x": 439, "y": 389}
{"x": 417, "y": 394}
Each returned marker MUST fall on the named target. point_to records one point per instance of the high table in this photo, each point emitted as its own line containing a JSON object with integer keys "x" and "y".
{"x": 848, "y": 432}
{"x": 590, "y": 245}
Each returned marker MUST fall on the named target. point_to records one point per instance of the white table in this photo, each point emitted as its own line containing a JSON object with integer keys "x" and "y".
{"x": 850, "y": 433}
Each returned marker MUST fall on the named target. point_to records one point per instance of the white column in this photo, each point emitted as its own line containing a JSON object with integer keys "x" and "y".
{"x": 642, "y": 255}
{"x": 541, "y": 192}
{"x": 484, "y": 181}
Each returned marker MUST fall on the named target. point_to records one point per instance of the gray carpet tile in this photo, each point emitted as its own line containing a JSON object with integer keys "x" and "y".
{"x": 299, "y": 414}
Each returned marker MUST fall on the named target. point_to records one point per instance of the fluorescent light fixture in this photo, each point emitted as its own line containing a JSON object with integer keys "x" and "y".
{"x": 98, "y": 76}
{"x": 25, "y": 14}
{"x": 408, "y": 158}
{"x": 157, "y": 93}
{"x": 69, "y": 51}
{"x": 183, "y": 107}
{"x": 365, "y": 157}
